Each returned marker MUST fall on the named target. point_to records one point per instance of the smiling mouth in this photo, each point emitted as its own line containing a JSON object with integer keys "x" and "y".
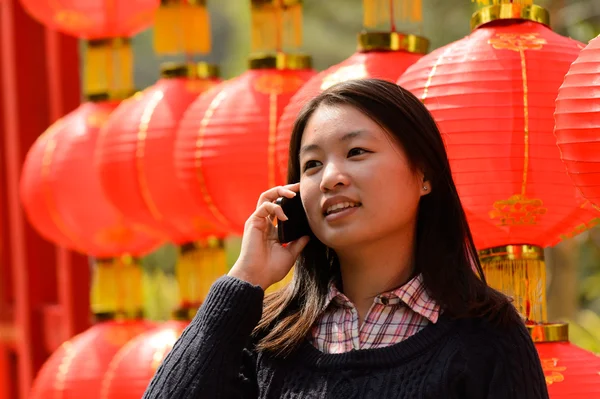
{"x": 333, "y": 209}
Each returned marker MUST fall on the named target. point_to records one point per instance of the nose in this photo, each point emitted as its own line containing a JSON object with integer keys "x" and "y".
{"x": 333, "y": 177}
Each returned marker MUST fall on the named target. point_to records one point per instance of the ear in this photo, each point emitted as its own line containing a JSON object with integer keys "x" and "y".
{"x": 425, "y": 186}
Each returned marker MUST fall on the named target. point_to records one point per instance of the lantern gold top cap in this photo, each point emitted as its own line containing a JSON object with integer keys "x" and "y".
{"x": 509, "y": 11}
{"x": 512, "y": 252}
{"x": 392, "y": 41}
{"x": 97, "y": 97}
{"x": 191, "y": 70}
{"x": 549, "y": 332}
{"x": 280, "y": 61}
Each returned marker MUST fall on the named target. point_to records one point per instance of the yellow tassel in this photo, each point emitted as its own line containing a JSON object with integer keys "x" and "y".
{"x": 117, "y": 288}
{"x": 386, "y": 12}
{"x": 198, "y": 266}
{"x": 276, "y": 25}
{"x": 521, "y": 278}
{"x": 109, "y": 67}
{"x": 182, "y": 26}
{"x": 496, "y": 2}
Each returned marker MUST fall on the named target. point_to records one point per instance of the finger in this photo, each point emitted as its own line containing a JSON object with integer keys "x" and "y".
{"x": 267, "y": 209}
{"x": 288, "y": 191}
{"x": 295, "y": 247}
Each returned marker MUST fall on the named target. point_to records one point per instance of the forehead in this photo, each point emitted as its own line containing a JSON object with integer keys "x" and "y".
{"x": 334, "y": 121}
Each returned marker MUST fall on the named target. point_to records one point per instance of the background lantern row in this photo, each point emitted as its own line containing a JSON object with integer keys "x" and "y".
{"x": 492, "y": 95}
{"x": 195, "y": 136}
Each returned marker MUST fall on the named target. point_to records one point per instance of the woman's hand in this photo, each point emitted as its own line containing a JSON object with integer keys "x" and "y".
{"x": 263, "y": 260}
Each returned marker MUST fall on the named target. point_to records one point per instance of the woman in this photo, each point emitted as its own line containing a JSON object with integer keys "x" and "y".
{"x": 388, "y": 298}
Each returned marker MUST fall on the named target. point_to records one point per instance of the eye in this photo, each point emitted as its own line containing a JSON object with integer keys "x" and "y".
{"x": 310, "y": 164}
{"x": 357, "y": 151}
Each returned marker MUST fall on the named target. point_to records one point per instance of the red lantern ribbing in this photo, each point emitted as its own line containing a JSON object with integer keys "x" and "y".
{"x": 577, "y": 119}
{"x": 134, "y": 157}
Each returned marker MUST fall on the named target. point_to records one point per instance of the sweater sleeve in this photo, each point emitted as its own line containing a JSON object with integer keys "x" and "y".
{"x": 502, "y": 364}
{"x": 211, "y": 359}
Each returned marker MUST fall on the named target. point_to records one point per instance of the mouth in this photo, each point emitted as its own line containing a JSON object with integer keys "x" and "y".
{"x": 340, "y": 207}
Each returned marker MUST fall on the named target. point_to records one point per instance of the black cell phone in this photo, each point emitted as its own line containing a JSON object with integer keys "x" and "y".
{"x": 297, "y": 224}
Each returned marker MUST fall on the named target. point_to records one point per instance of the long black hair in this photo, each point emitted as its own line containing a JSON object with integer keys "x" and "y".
{"x": 444, "y": 254}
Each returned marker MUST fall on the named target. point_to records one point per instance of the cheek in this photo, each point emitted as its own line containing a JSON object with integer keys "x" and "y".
{"x": 310, "y": 196}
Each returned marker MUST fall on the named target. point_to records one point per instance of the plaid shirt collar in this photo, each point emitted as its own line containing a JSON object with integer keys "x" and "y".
{"x": 413, "y": 294}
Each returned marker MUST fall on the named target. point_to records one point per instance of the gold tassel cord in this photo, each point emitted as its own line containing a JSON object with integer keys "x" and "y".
{"x": 182, "y": 26}
{"x": 496, "y": 2}
{"x": 522, "y": 279}
{"x": 382, "y": 12}
{"x": 117, "y": 288}
{"x": 108, "y": 68}
{"x": 276, "y": 25}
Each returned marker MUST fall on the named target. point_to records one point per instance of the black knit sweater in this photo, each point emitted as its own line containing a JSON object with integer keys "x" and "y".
{"x": 449, "y": 359}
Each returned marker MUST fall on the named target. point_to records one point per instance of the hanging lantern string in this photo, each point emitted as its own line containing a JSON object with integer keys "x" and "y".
{"x": 276, "y": 25}
{"x": 379, "y": 12}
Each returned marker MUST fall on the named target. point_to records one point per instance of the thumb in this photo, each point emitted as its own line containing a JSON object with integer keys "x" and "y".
{"x": 295, "y": 247}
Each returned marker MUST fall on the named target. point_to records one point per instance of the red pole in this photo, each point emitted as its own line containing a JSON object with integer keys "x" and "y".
{"x": 62, "y": 67}
{"x": 25, "y": 95}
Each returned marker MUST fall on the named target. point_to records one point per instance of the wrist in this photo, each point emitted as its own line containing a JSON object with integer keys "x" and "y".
{"x": 251, "y": 278}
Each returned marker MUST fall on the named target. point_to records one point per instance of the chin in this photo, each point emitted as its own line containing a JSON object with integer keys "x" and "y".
{"x": 341, "y": 238}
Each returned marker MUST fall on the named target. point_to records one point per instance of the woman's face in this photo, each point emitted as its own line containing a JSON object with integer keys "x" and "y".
{"x": 356, "y": 183}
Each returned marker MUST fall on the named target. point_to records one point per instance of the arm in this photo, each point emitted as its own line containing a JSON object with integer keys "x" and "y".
{"x": 503, "y": 365}
{"x": 211, "y": 358}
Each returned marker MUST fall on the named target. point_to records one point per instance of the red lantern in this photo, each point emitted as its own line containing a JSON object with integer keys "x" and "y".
{"x": 135, "y": 152}
{"x": 577, "y": 119}
{"x": 72, "y": 371}
{"x": 94, "y": 19}
{"x": 380, "y": 55}
{"x": 492, "y": 95}
{"x": 225, "y": 148}
{"x": 62, "y": 195}
{"x": 571, "y": 372}
{"x": 132, "y": 368}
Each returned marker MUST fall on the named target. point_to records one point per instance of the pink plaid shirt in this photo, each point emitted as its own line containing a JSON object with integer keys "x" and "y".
{"x": 393, "y": 317}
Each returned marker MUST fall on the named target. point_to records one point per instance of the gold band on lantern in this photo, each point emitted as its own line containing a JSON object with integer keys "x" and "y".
{"x": 200, "y": 70}
{"x": 392, "y": 41}
{"x": 549, "y": 332}
{"x": 280, "y": 61}
{"x": 496, "y": 12}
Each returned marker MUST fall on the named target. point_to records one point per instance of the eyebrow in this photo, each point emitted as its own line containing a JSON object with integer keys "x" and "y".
{"x": 346, "y": 137}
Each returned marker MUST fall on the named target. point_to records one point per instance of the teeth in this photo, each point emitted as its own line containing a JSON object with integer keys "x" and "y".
{"x": 341, "y": 205}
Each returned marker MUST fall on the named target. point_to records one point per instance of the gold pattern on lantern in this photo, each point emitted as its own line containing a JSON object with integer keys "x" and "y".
{"x": 518, "y": 210}
{"x": 97, "y": 118}
{"x": 272, "y": 139}
{"x": 357, "y": 71}
{"x": 73, "y": 20}
{"x": 277, "y": 84}
{"x": 552, "y": 371}
{"x": 212, "y": 207}
{"x": 517, "y": 41}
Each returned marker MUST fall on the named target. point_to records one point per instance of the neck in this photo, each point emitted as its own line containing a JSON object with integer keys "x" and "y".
{"x": 371, "y": 269}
